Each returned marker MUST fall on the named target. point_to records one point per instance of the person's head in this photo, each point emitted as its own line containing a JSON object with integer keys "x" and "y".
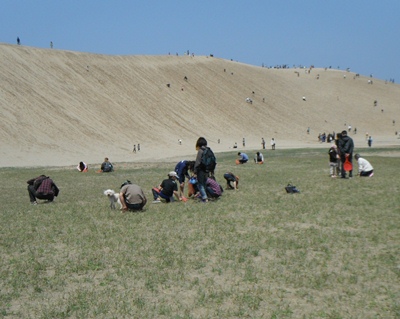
{"x": 201, "y": 141}
{"x": 357, "y": 156}
{"x": 239, "y": 153}
{"x": 172, "y": 175}
{"x": 190, "y": 165}
{"x": 125, "y": 183}
{"x": 344, "y": 133}
{"x": 258, "y": 153}
{"x": 105, "y": 159}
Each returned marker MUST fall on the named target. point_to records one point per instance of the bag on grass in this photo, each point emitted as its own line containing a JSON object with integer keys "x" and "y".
{"x": 291, "y": 189}
{"x": 208, "y": 160}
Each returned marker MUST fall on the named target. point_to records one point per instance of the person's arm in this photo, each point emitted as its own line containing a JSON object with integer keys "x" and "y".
{"x": 198, "y": 162}
{"x": 123, "y": 202}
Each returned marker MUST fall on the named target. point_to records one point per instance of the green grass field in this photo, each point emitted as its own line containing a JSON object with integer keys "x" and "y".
{"x": 332, "y": 251}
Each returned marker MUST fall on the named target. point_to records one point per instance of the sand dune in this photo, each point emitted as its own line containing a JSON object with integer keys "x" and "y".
{"x": 61, "y": 107}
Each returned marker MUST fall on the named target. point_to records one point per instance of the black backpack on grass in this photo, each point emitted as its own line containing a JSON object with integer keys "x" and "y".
{"x": 208, "y": 160}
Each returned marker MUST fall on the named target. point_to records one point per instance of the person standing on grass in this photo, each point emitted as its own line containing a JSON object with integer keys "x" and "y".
{"x": 365, "y": 168}
{"x": 333, "y": 160}
{"x": 200, "y": 172}
{"x": 346, "y": 147}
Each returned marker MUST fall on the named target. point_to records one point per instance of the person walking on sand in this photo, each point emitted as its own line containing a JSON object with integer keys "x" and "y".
{"x": 273, "y": 144}
{"x": 369, "y": 141}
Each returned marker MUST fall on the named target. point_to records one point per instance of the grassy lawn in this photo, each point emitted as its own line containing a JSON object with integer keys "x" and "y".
{"x": 332, "y": 251}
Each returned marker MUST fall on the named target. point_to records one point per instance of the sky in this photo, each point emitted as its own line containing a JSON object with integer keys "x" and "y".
{"x": 355, "y": 34}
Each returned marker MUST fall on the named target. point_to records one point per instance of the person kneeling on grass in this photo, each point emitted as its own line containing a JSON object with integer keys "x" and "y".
{"x": 213, "y": 189}
{"x": 365, "y": 168}
{"x": 42, "y": 187}
{"x": 259, "y": 158}
{"x": 243, "y": 158}
{"x": 167, "y": 189}
{"x": 132, "y": 197}
{"x": 230, "y": 177}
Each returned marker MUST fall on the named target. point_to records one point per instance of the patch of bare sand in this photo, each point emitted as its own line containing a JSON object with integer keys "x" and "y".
{"x": 61, "y": 107}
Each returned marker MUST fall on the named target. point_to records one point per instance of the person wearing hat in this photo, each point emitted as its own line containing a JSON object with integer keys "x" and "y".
{"x": 365, "y": 168}
{"x": 132, "y": 197}
{"x": 346, "y": 147}
{"x": 333, "y": 160}
{"x": 167, "y": 189}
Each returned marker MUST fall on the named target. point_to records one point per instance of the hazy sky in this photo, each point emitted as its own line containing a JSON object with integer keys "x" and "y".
{"x": 360, "y": 35}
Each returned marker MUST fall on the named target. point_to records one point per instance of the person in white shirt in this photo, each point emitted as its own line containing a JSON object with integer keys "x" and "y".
{"x": 259, "y": 158}
{"x": 365, "y": 168}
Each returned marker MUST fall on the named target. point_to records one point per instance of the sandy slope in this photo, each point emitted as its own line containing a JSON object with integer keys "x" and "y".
{"x": 60, "y": 107}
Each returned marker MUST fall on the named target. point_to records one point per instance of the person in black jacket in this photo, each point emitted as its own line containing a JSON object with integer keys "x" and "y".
{"x": 199, "y": 171}
{"x": 346, "y": 147}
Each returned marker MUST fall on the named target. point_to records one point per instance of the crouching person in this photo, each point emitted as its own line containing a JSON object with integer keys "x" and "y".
{"x": 230, "y": 177}
{"x": 167, "y": 189}
{"x": 213, "y": 189}
{"x": 132, "y": 197}
{"x": 42, "y": 187}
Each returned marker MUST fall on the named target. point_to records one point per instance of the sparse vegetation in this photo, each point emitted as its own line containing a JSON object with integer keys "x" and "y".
{"x": 331, "y": 251}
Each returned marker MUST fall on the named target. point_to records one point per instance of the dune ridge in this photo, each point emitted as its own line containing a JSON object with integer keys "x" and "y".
{"x": 61, "y": 107}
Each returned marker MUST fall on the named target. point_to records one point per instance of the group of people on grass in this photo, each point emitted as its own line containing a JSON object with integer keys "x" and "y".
{"x": 202, "y": 183}
{"x": 341, "y": 158}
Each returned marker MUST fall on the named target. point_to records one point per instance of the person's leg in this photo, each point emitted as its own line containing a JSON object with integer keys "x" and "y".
{"x": 135, "y": 207}
{"x": 201, "y": 182}
{"x": 367, "y": 174}
{"x": 210, "y": 192}
{"x": 156, "y": 193}
{"x": 32, "y": 193}
{"x": 351, "y": 161}
{"x": 166, "y": 197}
{"x": 343, "y": 172}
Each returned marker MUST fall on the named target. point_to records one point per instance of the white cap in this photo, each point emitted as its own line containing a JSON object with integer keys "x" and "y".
{"x": 172, "y": 174}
